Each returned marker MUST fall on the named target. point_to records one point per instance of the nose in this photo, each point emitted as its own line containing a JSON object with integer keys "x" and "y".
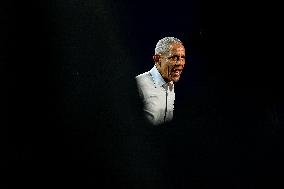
{"x": 180, "y": 61}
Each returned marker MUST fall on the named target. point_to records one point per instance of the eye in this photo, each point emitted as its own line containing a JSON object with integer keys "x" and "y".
{"x": 173, "y": 58}
{"x": 176, "y": 58}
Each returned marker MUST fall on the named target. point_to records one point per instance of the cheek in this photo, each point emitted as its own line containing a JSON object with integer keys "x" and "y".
{"x": 164, "y": 68}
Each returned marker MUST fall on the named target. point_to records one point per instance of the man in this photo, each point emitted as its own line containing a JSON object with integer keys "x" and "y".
{"x": 156, "y": 87}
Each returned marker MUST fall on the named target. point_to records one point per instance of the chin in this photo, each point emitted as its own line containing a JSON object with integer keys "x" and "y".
{"x": 175, "y": 79}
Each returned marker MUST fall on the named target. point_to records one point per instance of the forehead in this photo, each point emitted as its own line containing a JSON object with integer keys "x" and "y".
{"x": 177, "y": 49}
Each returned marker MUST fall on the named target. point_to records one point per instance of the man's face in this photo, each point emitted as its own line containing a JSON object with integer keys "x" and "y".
{"x": 171, "y": 64}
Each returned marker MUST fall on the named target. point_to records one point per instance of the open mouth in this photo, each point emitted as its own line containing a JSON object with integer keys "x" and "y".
{"x": 176, "y": 71}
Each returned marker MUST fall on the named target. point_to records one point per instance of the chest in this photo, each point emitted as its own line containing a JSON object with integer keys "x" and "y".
{"x": 159, "y": 97}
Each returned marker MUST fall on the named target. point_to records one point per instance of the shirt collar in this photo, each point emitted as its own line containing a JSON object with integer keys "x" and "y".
{"x": 157, "y": 77}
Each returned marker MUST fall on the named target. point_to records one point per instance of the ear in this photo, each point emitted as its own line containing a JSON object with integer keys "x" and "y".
{"x": 156, "y": 58}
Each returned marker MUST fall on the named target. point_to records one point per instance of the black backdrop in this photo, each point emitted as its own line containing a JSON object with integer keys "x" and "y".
{"x": 70, "y": 109}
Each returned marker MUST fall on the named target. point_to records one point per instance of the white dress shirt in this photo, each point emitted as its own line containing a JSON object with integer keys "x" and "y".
{"x": 157, "y": 95}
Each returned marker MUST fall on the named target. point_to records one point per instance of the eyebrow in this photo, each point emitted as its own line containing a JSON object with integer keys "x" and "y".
{"x": 183, "y": 56}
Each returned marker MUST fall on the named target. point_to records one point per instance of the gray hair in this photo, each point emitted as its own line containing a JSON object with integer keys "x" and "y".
{"x": 162, "y": 47}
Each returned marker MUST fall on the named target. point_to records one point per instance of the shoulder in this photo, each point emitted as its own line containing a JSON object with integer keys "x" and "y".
{"x": 144, "y": 78}
{"x": 143, "y": 75}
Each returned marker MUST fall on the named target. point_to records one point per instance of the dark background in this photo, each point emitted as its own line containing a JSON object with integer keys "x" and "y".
{"x": 70, "y": 110}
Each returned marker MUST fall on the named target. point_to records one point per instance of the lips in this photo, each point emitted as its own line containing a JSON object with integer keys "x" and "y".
{"x": 176, "y": 71}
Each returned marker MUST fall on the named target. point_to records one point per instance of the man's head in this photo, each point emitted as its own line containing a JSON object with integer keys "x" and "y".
{"x": 169, "y": 58}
